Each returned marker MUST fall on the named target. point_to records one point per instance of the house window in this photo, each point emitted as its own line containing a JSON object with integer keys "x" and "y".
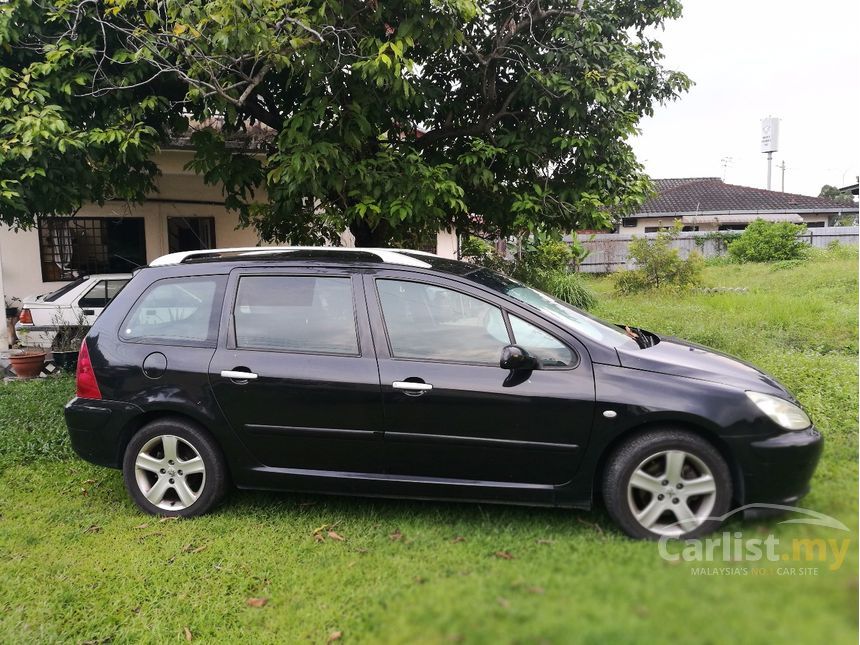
{"x": 629, "y": 222}
{"x": 689, "y": 229}
{"x": 656, "y": 229}
{"x": 190, "y": 233}
{"x": 70, "y": 247}
{"x": 732, "y": 227}
{"x": 815, "y": 225}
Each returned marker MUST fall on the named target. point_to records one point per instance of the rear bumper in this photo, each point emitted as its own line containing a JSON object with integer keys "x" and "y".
{"x": 98, "y": 429}
{"x": 777, "y": 470}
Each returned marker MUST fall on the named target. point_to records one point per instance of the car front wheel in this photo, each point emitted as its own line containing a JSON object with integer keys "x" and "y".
{"x": 172, "y": 468}
{"x": 667, "y": 483}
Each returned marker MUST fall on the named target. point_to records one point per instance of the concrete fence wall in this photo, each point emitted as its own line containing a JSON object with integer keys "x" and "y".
{"x": 608, "y": 251}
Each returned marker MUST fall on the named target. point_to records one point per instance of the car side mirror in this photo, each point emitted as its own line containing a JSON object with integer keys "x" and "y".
{"x": 516, "y": 358}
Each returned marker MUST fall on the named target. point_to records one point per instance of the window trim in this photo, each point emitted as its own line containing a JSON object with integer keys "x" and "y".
{"x": 220, "y": 280}
{"x": 232, "y": 342}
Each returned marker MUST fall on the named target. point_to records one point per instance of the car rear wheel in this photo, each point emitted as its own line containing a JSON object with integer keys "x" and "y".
{"x": 667, "y": 483}
{"x": 172, "y": 468}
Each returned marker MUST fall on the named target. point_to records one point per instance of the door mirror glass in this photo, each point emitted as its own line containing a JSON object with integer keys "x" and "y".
{"x": 516, "y": 358}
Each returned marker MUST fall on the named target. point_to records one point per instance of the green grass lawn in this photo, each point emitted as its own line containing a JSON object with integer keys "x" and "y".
{"x": 79, "y": 563}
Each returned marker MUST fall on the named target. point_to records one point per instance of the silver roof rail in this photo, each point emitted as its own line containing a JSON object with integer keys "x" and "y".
{"x": 389, "y": 256}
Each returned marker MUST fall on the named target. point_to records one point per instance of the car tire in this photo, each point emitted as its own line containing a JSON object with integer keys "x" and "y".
{"x": 657, "y": 485}
{"x": 173, "y": 468}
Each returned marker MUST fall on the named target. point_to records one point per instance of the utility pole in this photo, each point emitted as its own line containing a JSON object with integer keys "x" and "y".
{"x": 725, "y": 162}
{"x": 781, "y": 166}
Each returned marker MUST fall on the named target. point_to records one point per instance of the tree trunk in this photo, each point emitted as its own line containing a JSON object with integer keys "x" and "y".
{"x": 365, "y": 236}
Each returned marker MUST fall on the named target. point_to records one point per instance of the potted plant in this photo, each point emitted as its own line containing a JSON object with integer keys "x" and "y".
{"x": 26, "y": 362}
{"x": 67, "y": 341}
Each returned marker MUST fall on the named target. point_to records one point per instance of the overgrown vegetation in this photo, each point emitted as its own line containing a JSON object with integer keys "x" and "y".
{"x": 544, "y": 264}
{"x": 659, "y": 265}
{"x": 79, "y": 563}
{"x": 769, "y": 242}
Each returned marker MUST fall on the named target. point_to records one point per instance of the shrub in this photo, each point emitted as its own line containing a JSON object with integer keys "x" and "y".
{"x": 769, "y": 242}
{"x": 568, "y": 287}
{"x": 542, "y": 265}
{"x": 660, "y": 265}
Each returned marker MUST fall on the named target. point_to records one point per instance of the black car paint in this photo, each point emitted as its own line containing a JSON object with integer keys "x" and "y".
{"x": 334, "y": 424}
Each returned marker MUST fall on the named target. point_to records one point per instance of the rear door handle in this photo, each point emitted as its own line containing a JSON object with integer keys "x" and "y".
{"x": 237, "y": 375}
{"x": 411, "y": 386}
{"x": 89, "y": 312}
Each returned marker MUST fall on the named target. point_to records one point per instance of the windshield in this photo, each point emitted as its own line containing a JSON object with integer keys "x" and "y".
{"x": 566, "y": 315}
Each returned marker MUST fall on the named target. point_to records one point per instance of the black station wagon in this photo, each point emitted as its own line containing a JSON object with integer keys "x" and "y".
{"x": 398, "y": 373}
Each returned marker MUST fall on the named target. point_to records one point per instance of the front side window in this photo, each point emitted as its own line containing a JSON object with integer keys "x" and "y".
{"x": 176, "y": 310}
{"x": 101, "y": 294}
{"x": 433, "y": 323}
{"x": 547, "y": 349}
{"x": 296, "y": 313}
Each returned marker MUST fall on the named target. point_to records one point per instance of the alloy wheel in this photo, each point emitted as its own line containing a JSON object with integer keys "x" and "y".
{"x": 671, "y": 493}
{"x": 170, "y": 472}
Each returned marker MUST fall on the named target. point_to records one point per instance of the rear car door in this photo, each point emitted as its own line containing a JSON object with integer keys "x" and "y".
{"x": 295, "y": 373}
{"x": 450, "y": 411}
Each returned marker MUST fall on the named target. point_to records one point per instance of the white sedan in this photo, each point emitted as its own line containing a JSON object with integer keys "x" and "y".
{"x": 80, "y": 300}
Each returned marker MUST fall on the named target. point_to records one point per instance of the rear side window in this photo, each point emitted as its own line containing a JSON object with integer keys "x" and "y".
{"x": 180, "y": 311}
{"x": 101, "y": 294}
{"x": 296, "y": 313}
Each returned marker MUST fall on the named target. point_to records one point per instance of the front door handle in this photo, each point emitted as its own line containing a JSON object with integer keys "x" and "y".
{"x": 411, "y": 386}
{"x": 88, "y": 312}
{"x": 236, "y": 375}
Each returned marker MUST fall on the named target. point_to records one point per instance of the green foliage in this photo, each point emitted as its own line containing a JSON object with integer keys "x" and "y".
{"x": 390, "y": 118}
{"x": 834, "y": 194}
{"x": 769, "y": 242}
{"x": 660, "y": 265}
{"x": 569, "y": 287}
{"x": 543, "y": 264}
{"x": 80, "y": 563}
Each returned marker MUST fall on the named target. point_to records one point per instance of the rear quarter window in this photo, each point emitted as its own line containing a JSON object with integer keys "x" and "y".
{"x": 177, "y": 311}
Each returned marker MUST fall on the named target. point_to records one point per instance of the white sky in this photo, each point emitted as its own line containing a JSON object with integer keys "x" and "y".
{"x": 751, "y": 59}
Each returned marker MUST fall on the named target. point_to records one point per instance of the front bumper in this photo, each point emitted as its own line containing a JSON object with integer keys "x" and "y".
{"x": 777, "y": 470}
{"x": 98, "y": 429}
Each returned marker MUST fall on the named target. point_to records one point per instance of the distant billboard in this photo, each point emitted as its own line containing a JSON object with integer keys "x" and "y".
{"x": 769, "y": 134}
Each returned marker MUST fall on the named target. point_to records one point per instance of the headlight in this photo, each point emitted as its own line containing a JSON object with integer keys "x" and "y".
{"x": 781, "y": 412}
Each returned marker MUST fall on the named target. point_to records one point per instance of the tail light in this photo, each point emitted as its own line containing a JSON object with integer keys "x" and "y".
{"x": 87, "y": 386}
{"x": 25, "y": 317}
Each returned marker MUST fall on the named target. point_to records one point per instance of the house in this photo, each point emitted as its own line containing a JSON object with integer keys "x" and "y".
{"x": 185, "y": 214}
{"x": 709, "y": 204}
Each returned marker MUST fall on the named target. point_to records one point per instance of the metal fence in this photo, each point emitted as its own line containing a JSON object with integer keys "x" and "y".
{"x": 608, "y": 251}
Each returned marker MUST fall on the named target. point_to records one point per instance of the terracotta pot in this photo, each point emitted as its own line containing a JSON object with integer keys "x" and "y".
{"x": 27, "y": 366}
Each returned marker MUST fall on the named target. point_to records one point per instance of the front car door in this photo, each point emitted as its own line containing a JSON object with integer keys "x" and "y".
{"x": 451, "y": 412}
{"x": 295, "y": 374}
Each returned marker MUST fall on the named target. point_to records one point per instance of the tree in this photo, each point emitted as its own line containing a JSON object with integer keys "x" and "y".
{"x": 834, "y": 194}
{"x": 392, "y": 119}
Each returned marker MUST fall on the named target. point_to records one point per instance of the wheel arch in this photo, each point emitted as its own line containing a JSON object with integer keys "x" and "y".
{"x": 133, "y": 425}
{"x": 666, "y": 424}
